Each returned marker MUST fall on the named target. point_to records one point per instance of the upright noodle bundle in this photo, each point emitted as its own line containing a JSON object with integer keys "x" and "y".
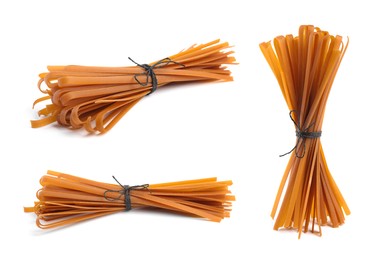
{"x": 66, "y": 199}
{"x": 96, "y": 98}
{"x": 305, "y": 67}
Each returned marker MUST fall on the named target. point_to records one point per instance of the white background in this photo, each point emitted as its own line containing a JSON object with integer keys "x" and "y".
{"x": 232, "y": 130}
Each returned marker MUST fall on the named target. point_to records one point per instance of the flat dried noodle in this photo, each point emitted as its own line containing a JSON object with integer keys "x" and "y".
{"x": 305, "y": 67}
{"x": 66, "y": 199}
{"x": 96, "y": 98}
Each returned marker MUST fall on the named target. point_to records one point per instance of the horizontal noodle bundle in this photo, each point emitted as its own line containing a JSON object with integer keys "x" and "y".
{"x": 66, "y": 199}
{"x": 96, "y": 98}
{"x": 305, "y": 67}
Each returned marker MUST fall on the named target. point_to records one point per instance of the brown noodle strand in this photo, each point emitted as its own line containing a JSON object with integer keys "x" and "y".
{"x": 96, "y": 98}
{"x": 66, "y": 199}
{"x": 305, "y": 67}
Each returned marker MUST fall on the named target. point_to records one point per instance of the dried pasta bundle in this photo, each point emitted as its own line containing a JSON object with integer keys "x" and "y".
{"x": 96, "y": 98}
{"x": 305, "y": 67}
{"x": 66, "y": 199}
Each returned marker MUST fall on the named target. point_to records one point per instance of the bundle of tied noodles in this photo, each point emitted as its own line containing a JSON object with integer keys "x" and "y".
{"x": 305, "y": 67}
{"x": 66, "y": 199}
{"x": 96, "y": 98}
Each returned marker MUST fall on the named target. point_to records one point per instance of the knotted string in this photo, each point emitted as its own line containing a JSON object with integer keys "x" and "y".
{"x": 301, "y": 134}
{"x": 126, "y": 191}
{"x": 150, "y": 73}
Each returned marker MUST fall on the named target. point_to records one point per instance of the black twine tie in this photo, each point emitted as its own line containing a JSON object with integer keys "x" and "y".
{"x": 150, "y": 73}
{"x": 126, "y": 191}
{"x": 301, "y": 134}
